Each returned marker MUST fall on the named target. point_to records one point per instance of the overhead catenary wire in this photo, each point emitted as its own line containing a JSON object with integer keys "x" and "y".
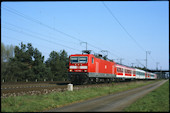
{"x": 40, "y": 34}
{"x": 124, "y": 29}
{"x": 123, "y": 26}
{"x": 36, "y": 33}
{"x": 38, "y": 22}
{"x": 47, "y": 26}
{"x": 12, "y": 38}
{"x": 40, "y": 38}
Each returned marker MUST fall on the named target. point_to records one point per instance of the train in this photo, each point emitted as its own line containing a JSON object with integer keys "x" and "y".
{"x": 87, "y": 68}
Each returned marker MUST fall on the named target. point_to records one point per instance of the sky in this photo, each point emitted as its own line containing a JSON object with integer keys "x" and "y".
{"x": 127, "y": 30}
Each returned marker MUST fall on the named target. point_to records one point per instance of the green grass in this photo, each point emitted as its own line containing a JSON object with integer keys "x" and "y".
{"x": 155, "y": 101}
{"x": 37, "y": 103}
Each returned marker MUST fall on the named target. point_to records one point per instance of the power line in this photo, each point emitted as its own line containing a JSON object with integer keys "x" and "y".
{"x": 37, "y": 21}
{"x": 123, "y": 27}
{"x": 39, "y": 38}
{"x": 140, "y": 62}
{"x": 27, "y": 30}
{"x": 52, "y": 28}
{"x": 21, "y": 31}
{"x": 40, "y": 33}
{"x": 22, "y": 41}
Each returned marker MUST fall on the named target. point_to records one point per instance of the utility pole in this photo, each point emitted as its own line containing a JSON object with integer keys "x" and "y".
{"x": 157, "y": 65}
{"x": 84, "y": 42}
{"x": 161, "y": 71}
{"x": 146, "y": 58}
{"x": 121, "y": 60}
{"x": 132, "y": 64}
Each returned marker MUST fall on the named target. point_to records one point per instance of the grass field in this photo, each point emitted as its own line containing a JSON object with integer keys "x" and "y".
{"x": 155, "y": 101}
{"x": 38, "y": 103}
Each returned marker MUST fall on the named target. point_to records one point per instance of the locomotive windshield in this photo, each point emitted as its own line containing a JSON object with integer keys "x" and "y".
{"x": 78, "y": 59}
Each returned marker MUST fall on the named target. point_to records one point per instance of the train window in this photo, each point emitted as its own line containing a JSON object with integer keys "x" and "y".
{"x": 82, "y": 59}
{"x": 78, "y": 59}
{"x": 92, "y": 60}
{"x": 127, "y": 71}
{"x": 140, "y": 73}
{"x": 74, "y": 59}
{"x": 120, "y": 70}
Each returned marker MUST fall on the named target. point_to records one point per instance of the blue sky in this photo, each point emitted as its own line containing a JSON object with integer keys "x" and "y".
{"x": 64, "y": 25}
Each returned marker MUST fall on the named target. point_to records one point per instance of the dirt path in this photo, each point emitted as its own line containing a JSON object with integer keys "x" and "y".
{"x": 113, "y": 102}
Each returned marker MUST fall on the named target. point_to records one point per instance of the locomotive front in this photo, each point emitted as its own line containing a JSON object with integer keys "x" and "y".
{"x": 78, "y": 68}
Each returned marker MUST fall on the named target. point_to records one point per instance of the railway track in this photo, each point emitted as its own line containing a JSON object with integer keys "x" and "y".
{"x": 44, "y": 88}
{"x": 8, "y": 88}
{"x": 32, "y": 88}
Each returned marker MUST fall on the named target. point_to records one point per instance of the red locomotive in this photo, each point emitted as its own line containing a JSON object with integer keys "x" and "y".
{"x": 84, "y": 68}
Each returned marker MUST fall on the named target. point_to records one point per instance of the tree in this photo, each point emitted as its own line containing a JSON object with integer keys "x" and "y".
{"x": 39, "y": 68}
{"x": 19, "y": 65}
{"x": 58, "y": 63}
{"x": 28, "y": 63}
{"x": 64, "y": 63}
{"x": 53, "y": 62}
{"x": 6, "y": 53}
{"x": 2, "y": 52}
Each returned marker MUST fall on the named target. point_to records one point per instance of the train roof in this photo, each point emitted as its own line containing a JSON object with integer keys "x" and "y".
{"x": 140, "y": 70}
{"x": 81, "y": 55}
{"x": 119, "y": 65}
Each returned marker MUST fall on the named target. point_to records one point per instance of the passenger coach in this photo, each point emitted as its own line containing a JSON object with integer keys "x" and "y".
{"x": 124, "y": 72}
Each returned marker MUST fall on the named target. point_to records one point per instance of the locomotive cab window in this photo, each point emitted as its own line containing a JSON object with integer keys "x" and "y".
{"x": 82, "y": 59}
{"x": 74, "y": 59}
{"x": 78, "y": 59}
